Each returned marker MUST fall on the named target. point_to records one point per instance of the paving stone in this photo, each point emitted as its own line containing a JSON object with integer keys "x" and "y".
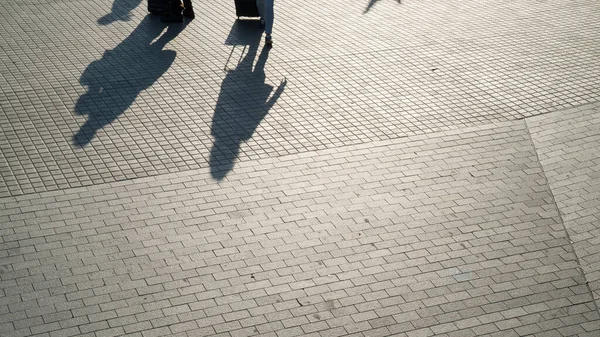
{"x": 333, "y": 279}
{"x": 486, "y": 62}
{"x": 565, "y": 142}
{"x": 433, "y": 175}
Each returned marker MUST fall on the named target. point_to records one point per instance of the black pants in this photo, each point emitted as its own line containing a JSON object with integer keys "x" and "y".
{"x": 174, "y": 6}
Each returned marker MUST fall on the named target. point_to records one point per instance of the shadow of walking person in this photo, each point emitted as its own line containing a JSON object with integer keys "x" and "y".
{"x": 116, "y": 79}
{"x": 120, "y": 11}
{"x": 242, "y": 104}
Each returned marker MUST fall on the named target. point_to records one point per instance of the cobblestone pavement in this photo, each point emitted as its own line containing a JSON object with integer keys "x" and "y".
{"x": 410, "y": 168}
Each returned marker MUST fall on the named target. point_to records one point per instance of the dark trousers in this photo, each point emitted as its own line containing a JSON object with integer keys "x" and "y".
{"x": 174, "y": 6}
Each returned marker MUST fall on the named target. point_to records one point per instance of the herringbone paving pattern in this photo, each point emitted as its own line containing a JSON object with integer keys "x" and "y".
{"x": 567, "y": 143}
{"x": 453, "y": 233}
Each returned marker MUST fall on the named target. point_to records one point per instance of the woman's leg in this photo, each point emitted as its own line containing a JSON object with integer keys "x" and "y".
{"x": 188, "y": 9}
{"x": 173, "y": 11}
{"x": 261, "y": 9}
{"x": 268, "y": 16}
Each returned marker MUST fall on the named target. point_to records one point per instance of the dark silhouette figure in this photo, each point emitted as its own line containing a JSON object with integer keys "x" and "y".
{"x": 242, "y": 104}
{"x": 120, "y": 11}
{"x": 116, "y": 79}
{"x": 372, "y": 3}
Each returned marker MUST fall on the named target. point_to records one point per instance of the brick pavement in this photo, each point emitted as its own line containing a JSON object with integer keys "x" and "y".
{"x": 452, "y": 234}
{"x": 436, "y": 65}
{"x": 411, "y": 169}
{"x": 567, "y": 144}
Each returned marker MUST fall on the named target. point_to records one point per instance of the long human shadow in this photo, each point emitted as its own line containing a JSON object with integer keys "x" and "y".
{"x": 114, "y": 81}
{"x": 120, "y": 11}
{"x": 243, "y": 102}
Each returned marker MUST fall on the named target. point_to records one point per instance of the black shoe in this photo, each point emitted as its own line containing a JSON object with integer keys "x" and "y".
{"x": 173, "y": 18}
{"x": 268, "y": 40}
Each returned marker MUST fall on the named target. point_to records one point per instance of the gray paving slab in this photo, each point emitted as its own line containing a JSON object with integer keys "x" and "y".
{"x": 567, "y": 143}
{"x": 85, "y": 101}
{"x": 453, "y": 233}
{"x": 411, "y": 168}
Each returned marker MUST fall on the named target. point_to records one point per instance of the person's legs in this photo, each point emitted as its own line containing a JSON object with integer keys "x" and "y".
{"x": 188, "y": 9}
{"x": 260, "y": 4}
{"x": 173, "y": 11}
{"x": 268, "y": 16}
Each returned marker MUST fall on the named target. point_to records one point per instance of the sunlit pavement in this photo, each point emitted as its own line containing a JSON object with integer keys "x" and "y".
{"x": 412, "y": 168}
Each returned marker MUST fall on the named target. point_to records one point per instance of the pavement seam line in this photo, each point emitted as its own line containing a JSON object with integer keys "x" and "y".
{"x": 456, "y": 128}
{"x": 560, "y": 215}
{"x": 448, "y": 129}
